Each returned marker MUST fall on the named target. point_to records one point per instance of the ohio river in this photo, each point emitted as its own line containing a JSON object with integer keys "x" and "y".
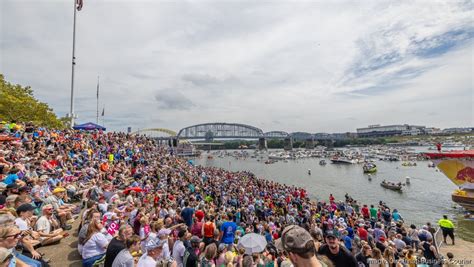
{"x": 426, "y": 198}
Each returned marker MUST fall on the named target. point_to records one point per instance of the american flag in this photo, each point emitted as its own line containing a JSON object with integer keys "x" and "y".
{"x": 79, "y": 4}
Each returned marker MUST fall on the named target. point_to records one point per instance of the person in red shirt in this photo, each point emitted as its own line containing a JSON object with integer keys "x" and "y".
{"x": 365, "y": 212}
{"x": 363, "y": 234}
{"x": 302, "y": 194}
{"x": 331, "y": 198}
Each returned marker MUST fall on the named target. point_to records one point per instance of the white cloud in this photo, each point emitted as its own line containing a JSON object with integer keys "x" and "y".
{"x": 292, "y": 66}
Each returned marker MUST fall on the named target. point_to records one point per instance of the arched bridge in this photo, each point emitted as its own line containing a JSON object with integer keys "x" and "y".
{"x": 156, "y": 130}
{"x": 219, "y": 130}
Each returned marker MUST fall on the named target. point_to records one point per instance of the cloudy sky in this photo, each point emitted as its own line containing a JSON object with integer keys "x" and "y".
{"x": 278, "y": 65}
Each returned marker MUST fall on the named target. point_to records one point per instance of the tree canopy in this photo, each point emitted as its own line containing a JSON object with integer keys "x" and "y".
{"x": 18, "y": 104}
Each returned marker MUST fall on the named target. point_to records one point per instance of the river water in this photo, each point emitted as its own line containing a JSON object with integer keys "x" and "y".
{"x": 426, "y": 198}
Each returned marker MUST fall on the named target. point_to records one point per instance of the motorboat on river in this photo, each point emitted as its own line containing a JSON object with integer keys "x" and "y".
{"x": 342, "y": 160}
{"x": 392, "y": 185}
{"x": 369, "y": 168}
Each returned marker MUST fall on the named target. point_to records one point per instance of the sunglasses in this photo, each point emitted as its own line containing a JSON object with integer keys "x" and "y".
{"x": 15, "y": 236}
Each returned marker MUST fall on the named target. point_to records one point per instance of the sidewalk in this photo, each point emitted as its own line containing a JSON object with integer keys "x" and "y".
{"x": 462, "y": 251}
{"x": 65, "y": 253}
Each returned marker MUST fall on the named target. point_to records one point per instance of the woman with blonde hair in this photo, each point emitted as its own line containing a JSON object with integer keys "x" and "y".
{"x": 9, "y": 237}
{"x": 389, "y": 256}
{"x": 95, "y": 244}
{"x": 377, "y": 260}
{"x": 229, "y": 259}
{"x": 411, "y": 258}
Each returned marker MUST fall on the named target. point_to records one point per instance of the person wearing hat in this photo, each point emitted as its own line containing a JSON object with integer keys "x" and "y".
{"x": 24, "y": 212}
{"x": 31, "y": 238}
{"x": 153, "y": 247}
{"x": 190, "y": 258}
{"x": 338, "y": 255}
{"x": 299, "y": 245}
{"x": 12, "y": 189}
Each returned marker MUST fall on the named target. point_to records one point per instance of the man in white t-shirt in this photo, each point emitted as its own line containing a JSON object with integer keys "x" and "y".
{"x": 48, "y": 227}
{"x": 24, "y": 211}
{"x": 154, "y": 249}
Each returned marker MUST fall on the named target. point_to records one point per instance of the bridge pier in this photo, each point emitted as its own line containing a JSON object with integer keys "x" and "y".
{"x": 288, "y": 144}
{"x": 309, "y": 143}
{"x": 262, "y": 143}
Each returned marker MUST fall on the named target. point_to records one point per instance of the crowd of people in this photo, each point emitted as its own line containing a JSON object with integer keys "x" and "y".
{"x": 139, "y": 205}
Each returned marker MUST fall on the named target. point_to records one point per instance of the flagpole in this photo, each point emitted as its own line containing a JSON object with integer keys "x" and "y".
{"x": 71, "y": 111}
{"x": 97, "y": 114}
{"x": 103, "y": 116}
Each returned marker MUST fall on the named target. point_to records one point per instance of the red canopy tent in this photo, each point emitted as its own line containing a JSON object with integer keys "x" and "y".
{"x": 451, "y": 154}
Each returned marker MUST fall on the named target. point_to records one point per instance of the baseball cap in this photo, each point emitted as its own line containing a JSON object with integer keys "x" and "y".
{"x": 195, "y": 239}
{"x": 12, "y": 186}
{"x": 294, "y": 239}
{"x": 24, "y": 207}
{"x": 58, "y": 190}
{"x": 330, "y": 233}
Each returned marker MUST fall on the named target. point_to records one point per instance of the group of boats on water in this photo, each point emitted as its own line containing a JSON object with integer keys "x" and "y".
{"x": 457, "y": 165}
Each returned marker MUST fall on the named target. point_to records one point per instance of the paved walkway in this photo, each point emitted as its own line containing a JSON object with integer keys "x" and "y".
{"x": 463, "y": 251}
{"x": 65, "y": 253}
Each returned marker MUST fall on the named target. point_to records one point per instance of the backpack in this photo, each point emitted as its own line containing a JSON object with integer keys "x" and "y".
{"x": 185, "y": 257}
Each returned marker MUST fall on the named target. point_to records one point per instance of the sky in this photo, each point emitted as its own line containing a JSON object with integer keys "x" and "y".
{"x": 313, "y": 66}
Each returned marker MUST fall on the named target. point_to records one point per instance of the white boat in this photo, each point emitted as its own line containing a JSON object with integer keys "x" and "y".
{"x": 342, "y": 160}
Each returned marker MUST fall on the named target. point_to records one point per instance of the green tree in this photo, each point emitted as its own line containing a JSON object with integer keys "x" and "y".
{"x": 17, "y": 103}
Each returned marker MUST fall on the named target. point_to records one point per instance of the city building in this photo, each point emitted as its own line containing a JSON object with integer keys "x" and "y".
{"x": 432, "y": 131}
{"x": 458, "y": 130}
{"x": 390, "y": 130}
{"x": 334, "y": 136}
